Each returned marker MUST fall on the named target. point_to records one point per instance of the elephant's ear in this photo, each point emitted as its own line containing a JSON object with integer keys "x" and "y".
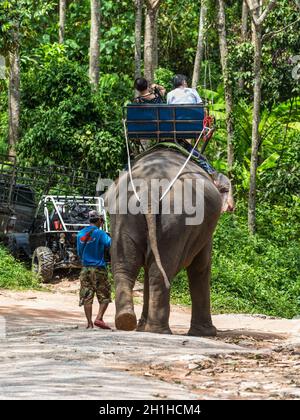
{"x": 222, "y": 182}
{"x": 224, "y": 186}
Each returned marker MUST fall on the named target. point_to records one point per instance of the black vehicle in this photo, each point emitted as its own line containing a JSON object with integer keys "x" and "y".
{"x": 41, "y": 211}
{"x": 7, "y": 221}
{"x": 17, "y": 199}
{"x": 16, "y": 213}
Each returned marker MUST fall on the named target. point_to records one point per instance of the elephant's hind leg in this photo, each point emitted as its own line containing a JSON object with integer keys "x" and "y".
{"x": 125, "y": 318}
{"x": 199, "y": 281}
{"x": 158, "y": 309}
{"x": 143, "y": 320}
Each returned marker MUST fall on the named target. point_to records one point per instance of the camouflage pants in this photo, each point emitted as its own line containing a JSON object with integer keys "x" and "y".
{"x": 94, "y": 281}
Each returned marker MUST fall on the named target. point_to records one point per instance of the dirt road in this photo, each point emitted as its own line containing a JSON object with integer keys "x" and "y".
{"x": 47, "y": 353}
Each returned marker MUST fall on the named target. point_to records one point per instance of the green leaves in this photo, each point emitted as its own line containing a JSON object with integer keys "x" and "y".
{"x": 164, "y": 78}
{"x": 13, "y": 274}
{"x": 269, "y": 163}
{"x": 253, "y": 274}
{"x": 22, "y": 16}
{"x": 64, "y": 122}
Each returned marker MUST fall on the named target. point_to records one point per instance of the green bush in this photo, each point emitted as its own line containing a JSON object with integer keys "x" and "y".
{"x": 254, "y": 274}
{"x": 164, "y": 78}
{"x": 280, "y": 183}
{"x": 13, "y": 275}
{"x": 3, "y": 117}
{"x": 64, "y": 122}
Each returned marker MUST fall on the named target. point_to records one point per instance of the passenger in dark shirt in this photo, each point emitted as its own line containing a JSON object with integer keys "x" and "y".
{"x": 153, "y": 94}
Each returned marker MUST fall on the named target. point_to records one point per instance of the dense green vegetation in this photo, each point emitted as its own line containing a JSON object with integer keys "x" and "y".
{"x": 259, "y": 274}
{"x": 65, "y": 121}
{"x": 14, "y": 274}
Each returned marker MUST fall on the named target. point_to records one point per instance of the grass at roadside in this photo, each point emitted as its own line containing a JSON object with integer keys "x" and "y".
{"x": 14, "y": 275}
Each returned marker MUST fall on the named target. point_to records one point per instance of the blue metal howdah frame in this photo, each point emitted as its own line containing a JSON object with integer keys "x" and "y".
{"x": 164, "y": 122}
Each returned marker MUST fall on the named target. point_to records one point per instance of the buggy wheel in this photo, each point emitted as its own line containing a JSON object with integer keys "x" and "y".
{"x": 43, "y": 263}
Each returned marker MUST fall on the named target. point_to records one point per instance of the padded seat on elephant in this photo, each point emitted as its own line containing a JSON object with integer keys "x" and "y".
{"x": 164, "y": 122}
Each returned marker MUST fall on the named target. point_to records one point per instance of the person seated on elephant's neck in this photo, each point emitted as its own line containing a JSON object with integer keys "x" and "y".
{"x": 153, "y": 94}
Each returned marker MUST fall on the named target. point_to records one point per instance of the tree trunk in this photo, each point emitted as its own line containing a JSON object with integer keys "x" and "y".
{"x": 200, "y": 45}
{"x": 245, "y": 14}
{"x": 155, "y": 44}
{"x": 62, "y": 20}
{"x": 14, "y": 97}
{"x": 149, "y": 41}
{"x": 258, "y": 17}
{"x": 244, "y": 35}
{"x": 227, "y": 84}
{"x": 138, "y": 37}
{"x": 257, "y": 32}
{"x": 94, "y": 69}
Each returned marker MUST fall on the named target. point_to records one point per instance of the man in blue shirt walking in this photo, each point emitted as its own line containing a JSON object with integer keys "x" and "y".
{"x": 91, "y": 244}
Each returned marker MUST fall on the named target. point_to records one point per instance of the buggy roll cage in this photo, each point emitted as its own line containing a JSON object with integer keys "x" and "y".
{"x": 60, "y": 203}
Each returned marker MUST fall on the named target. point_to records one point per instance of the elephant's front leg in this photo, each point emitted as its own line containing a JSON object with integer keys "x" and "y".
{"x": 159, "y": 303}
{"x": 199, "y": 281}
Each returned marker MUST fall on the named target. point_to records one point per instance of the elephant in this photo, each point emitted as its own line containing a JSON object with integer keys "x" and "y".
{"x": 162, "y": 244}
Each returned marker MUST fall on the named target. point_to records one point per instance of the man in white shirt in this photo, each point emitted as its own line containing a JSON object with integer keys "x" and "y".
{"x": 182, "y": 94}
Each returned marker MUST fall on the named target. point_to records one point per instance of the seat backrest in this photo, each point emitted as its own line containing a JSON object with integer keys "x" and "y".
{"x": 161, "y": 121}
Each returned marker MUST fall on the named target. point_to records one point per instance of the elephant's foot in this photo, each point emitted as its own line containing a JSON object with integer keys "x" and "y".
{"x": 126, "y": 321}
{"x": 141, "y": 325}
{"x": 203, "y": 331}
{"x": 156, "y": 329}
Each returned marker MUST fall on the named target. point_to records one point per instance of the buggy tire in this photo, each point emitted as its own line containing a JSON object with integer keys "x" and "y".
{"x": 43, "y": 263}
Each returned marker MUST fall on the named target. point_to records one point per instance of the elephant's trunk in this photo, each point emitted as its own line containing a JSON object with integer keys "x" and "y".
{"x": 151, "y": 223}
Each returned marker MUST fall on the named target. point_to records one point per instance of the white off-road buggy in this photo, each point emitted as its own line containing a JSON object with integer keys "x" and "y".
{"x": 53, "y": 235}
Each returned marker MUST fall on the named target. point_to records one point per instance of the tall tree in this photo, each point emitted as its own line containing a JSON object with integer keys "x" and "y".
{"x": 62, "y": 20}
{"x": 16, "y": 23}
{"x": 258, "y": 16}
{"x": 245, "y": 13}
{"x": 138, "y": 36}
{"x": 227, "y": 83}
{"x": 244, "y": 35}
{"x": 200, "y": 44}
{"x": 14, "y": 93}
{"x": 149, "y": 40}
{"x": 155, "y": 43}
{"x": 94, "y": 69}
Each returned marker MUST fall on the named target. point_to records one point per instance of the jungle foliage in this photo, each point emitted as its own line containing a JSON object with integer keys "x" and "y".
{"x": 14, "y": 274}
{"x": 63, "y": 121}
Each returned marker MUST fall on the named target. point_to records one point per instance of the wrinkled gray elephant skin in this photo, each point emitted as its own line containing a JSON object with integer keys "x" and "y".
{"x": 163, "y": 244}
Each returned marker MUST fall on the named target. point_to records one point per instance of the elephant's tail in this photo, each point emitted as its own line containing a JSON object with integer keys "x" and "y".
{"x": 151, "y": 223}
